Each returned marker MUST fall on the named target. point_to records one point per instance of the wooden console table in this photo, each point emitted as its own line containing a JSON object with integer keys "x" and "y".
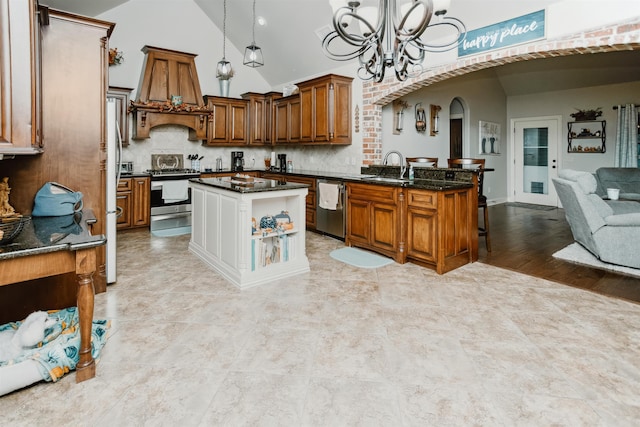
{"x": 48, "y": 252}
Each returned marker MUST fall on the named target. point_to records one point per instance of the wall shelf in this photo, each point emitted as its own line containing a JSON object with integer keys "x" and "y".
{"x": 587, "y": 136}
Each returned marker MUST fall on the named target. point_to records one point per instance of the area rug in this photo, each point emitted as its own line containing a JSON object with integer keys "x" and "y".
{"x": 360, "y": 258}
{"x": 530, "y": 206}
{"x": 578, "y": 254}
{"x": 178, "y": 231}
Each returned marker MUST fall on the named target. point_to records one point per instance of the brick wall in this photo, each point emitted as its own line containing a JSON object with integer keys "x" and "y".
{"x": 616, "y": 37}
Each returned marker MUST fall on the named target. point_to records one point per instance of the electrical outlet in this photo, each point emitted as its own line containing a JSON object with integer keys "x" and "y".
{"x": 450, "y": 175}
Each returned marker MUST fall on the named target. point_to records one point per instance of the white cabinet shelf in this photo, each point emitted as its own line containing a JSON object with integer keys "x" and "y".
{"x": 221, "y": 233}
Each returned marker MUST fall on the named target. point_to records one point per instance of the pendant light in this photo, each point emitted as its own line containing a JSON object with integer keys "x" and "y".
{"x": 224, "y": 70}
{"x": 253, "y": 54}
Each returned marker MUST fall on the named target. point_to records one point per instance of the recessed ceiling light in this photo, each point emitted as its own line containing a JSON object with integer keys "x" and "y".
{"x": 261, "y": 21}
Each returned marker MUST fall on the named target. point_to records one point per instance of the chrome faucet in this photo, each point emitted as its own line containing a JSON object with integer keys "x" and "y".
{"x": 403, "y": 167}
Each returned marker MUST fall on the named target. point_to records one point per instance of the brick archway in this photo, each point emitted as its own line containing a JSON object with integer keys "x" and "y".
{"x": 616, "y": 37}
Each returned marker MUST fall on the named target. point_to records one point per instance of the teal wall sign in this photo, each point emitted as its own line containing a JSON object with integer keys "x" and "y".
{"x": 514, "y": 31}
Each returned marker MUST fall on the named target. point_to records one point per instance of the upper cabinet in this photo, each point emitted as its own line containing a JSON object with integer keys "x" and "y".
{"x": 286, "y": 120}
{"x": 319, "y": 114}
{"x": 261, "y": 116}
{"x": 325, "y": 108}
{"x": 20, "y": 77}
{"x": 229, "y": 123}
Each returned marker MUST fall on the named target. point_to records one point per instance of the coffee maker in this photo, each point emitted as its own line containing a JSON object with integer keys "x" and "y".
{"x": 282, "y": 162}
{"x": 237, "y": 161}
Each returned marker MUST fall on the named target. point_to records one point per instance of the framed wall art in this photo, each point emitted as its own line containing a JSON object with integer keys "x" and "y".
{"x": 489, "y": 138}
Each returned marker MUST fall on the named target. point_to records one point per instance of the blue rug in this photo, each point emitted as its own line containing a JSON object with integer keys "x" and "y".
{"x": 360, "y": 258}
{"x": 170, "y": 232}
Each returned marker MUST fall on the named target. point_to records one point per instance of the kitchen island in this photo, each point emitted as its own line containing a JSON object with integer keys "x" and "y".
{"x": 250, "y": 230}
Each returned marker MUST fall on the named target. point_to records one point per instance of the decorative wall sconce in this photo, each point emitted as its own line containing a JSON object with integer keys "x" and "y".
{"x": 421, "y": 120}
{"x": 398, "y": 115}
{"x": 435, "y": 119}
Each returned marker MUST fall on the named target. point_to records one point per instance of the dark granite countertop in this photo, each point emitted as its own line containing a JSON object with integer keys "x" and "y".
{"x": 256, "y": 186}
{"x": 425, "y": 178}
{"x": 51, "y": 234}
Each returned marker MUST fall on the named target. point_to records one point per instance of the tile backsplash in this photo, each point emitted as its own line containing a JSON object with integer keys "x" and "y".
{"x": 171, "y": 139}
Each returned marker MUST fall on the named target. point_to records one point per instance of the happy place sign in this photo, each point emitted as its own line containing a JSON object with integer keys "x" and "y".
{"x": 514, "y": 31}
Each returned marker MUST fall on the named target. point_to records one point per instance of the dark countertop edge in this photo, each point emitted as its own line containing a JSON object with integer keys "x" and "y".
{"x": 418, "y": 183}
{"x": 84, "y": 241}
{"x": 246, "y": 189}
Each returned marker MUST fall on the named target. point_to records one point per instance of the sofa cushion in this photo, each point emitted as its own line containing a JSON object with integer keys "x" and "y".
{"x": 585, "y": 180}
{"x": 627, "y": 180}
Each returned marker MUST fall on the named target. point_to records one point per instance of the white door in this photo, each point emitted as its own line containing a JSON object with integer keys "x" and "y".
{"x": 536, "y": 142}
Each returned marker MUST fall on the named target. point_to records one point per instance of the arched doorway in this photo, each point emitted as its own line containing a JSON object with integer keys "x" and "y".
{"x": 456, "y": 122}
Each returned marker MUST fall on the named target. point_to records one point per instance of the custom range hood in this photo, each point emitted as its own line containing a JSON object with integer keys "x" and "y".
{"x": 169, "y": 93}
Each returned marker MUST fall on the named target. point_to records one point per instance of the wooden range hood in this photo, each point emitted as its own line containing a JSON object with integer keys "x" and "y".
{"x": 166, "y": 74}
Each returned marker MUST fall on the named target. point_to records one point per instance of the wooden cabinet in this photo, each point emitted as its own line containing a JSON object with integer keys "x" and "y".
{"x": 122, "y": 96}
{"x": 441, "y": 231}
{"x": 133, "y": 201}
{"x": 229, "y": 121}
{"x": 20, "y": 78}
{"x": 311, "y": 199}
{"x": 261, "y": 117}
{"x": 325, "y": 108}
{"x": 376, "y": 219}
{"x": 286, "y": 120}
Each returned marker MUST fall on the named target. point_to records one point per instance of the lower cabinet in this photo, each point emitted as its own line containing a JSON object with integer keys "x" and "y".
{"x": 133, "y": 201}
{"x": 441, "y": 229}
{"x": 376, "y": 220}
{"x": 311, "y": 195}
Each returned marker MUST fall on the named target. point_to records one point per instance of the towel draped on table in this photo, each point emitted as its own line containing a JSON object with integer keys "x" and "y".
{"x": 328, "y": 196}
{"x": 175, "y": 191}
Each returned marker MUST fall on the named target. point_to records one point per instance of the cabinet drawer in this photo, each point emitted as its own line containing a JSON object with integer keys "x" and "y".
{"x": 378, "y": 193}
{"x": 125, "y": 184}
{"x": 422, "y": 199}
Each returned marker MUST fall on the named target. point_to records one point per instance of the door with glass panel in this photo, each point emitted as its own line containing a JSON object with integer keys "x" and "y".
{"x": 536, "y": 159}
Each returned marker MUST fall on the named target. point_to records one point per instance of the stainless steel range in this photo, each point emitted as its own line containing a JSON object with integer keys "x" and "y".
{"x": 170, "y": 192}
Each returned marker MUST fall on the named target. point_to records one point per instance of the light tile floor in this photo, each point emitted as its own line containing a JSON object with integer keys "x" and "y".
{"x": 395, "y": 346}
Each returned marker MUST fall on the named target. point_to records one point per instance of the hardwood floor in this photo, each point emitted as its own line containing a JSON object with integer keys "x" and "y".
{"x": 524, "y": 240}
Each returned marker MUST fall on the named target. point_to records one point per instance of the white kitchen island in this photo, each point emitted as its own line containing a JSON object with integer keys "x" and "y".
{"x": 224, "y": 212}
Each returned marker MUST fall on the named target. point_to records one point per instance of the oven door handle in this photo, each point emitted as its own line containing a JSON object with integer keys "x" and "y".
{"x": 170, "y": 216}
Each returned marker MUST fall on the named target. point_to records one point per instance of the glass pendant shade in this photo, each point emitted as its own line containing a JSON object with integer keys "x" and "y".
{"x": 224, "y": 70}
{"x": 253, "y": 56}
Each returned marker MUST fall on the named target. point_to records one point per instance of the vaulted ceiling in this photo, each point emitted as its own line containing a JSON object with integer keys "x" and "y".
{"x": 292, "y": 46}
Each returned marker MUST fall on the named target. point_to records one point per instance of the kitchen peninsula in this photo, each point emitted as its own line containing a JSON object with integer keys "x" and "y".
{"x": 250, "y": 230}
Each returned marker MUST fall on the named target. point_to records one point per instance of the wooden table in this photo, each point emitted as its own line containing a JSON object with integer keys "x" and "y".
{"x": 29, "y": 258}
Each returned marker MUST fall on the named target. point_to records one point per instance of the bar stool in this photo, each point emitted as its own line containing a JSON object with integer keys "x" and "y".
{"x": 482, "y": 199}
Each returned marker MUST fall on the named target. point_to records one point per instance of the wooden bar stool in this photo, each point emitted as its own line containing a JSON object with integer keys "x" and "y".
{"x": 482, "y": 199}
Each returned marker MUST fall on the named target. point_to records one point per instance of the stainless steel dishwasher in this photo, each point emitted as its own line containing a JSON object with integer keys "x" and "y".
{"x": 330, "y": 207}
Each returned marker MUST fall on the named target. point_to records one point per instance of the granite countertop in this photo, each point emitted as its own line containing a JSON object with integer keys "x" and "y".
{"x": 256, "y": 186}
{"x": 425, "y": 179}
{"x": 51, "y": 234}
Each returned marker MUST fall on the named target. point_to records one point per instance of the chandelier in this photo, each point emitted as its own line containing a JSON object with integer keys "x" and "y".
{"x": 388, "y": 36}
